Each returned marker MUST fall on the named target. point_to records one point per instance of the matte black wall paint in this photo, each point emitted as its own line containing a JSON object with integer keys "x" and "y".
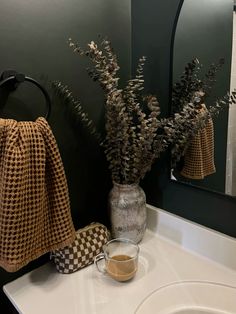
{"x": 152, "y": 23}
{"x": 34, "y": 37}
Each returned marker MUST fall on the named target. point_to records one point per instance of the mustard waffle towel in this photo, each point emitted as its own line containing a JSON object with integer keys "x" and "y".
{"x": 35, "y": 213}
{"x": 199, "y": 156}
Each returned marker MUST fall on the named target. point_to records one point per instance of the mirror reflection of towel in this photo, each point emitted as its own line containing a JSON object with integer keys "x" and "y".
{"x": 199, "y": 156}
{"x": 35, "y": 215}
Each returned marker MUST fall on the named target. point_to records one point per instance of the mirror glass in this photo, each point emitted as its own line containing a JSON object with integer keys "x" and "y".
{"x": 205, "y": 31}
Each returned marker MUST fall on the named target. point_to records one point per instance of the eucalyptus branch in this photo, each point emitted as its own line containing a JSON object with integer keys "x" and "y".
{"x": 64, "y": 92}
{"x": 135, "y": 134}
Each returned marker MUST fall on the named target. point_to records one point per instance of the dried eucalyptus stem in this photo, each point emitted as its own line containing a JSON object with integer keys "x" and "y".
{"x": 132, "y": 139}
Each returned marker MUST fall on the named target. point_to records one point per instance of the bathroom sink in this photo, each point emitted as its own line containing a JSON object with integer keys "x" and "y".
{"x": 190, "y": 297}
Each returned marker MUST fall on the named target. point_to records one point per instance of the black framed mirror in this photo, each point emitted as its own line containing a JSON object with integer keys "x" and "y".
{"x": 204, "y": 30}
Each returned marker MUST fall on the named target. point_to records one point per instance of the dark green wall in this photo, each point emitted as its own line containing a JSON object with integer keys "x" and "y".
{"x": 152, "y": 23}
{"x": 34, "y": 38}
{"x": 209, "y": 38}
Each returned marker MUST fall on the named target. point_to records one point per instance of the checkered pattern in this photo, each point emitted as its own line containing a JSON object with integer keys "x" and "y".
{"x": 88, "y": 243}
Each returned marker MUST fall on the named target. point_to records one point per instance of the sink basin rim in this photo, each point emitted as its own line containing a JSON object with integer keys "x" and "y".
{"x": 181, "y": 307}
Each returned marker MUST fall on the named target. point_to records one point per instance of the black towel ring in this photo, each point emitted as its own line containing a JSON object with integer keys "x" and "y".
{"x": 16, "y": 78}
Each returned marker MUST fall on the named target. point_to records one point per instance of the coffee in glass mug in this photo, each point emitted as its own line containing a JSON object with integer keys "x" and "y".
{"x": 121, "y": 259}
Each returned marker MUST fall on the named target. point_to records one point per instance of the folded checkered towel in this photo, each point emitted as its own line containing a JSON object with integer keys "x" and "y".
{"x": 35, "y": 215}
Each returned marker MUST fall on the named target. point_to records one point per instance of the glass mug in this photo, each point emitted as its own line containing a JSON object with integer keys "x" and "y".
{"x": 121, "y": 259}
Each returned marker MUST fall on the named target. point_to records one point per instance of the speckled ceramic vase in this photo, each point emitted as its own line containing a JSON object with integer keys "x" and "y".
{"x": 127, "y": 204}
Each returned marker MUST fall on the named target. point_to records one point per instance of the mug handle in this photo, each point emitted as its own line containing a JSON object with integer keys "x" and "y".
{"x": 98, "y": 258}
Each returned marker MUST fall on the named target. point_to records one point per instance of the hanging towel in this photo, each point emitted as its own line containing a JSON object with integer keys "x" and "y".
{"x": 35, "y": 215}
{"x": 199, "y": 156}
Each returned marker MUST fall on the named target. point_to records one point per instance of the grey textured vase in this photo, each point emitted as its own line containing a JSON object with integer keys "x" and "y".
{"x": 128, "y": 211}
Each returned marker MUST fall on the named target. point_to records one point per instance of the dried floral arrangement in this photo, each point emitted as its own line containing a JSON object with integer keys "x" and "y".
{"x": 191, "y": 91}
{"x": 135, "y": 134}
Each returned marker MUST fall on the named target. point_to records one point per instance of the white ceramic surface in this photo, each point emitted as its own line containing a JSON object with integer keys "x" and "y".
{"x": 166, "y": 257}
{"x": 193, "y": 237}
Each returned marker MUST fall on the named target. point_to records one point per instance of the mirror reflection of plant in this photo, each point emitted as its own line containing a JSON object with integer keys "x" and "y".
{"x": 188, "y": 96}
{"x": 184, "y": 90}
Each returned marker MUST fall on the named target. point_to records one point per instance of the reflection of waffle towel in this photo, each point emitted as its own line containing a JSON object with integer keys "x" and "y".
{"x": 199, "y": 156}
{"x": 35, "y": 213}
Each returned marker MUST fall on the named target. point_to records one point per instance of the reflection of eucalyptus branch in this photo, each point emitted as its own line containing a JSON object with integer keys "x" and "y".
{"x": 191, "y": 91}
{"x": 184, "y": 90}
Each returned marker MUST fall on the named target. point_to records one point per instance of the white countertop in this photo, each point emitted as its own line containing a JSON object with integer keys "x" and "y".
{"x": 87, "y": 291}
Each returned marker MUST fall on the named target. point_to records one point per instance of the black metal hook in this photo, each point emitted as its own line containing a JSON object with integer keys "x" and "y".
{"x": 17, "y": 78}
